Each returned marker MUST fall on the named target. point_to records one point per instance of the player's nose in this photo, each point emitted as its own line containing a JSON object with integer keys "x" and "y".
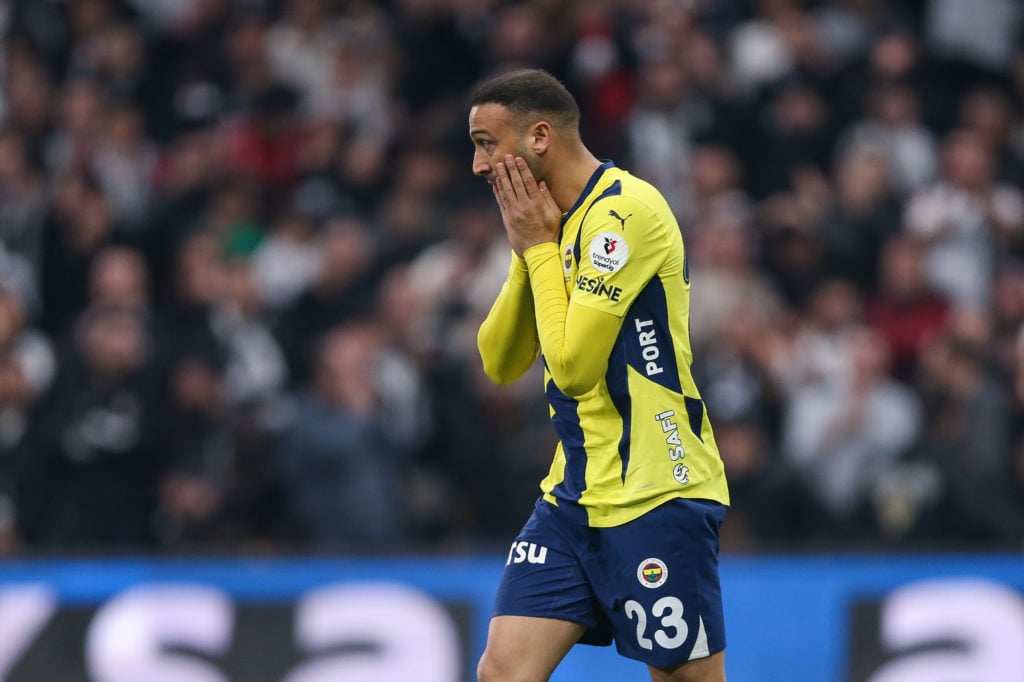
{"x": 481, "y": 166}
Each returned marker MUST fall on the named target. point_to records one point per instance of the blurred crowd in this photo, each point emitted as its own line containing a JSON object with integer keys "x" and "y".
{"x": 243, "y": 261}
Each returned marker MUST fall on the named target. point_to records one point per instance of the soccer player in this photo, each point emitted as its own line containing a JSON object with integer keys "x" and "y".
{"x": 623, "y": 543}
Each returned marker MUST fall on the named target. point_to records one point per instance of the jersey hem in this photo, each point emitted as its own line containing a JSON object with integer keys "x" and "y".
{"x": 633, "y": 513}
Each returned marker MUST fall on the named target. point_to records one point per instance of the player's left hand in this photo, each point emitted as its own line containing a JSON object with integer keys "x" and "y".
{"x": 528, "y": 211}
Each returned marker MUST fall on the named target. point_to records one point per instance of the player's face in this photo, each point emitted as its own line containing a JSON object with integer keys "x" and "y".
{"x": 495, "y": 134}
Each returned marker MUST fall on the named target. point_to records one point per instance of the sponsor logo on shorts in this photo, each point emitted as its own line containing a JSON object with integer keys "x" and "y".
{"x": 527, "y": 551}
{"x": 652, "y": 573}
{"x": 609, "y": 251}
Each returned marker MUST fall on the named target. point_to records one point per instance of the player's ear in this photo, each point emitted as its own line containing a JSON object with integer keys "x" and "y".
{"x": 540, "y": 138}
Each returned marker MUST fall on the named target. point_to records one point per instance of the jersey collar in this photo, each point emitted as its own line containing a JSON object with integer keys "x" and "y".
{"x": 591, "y": 183}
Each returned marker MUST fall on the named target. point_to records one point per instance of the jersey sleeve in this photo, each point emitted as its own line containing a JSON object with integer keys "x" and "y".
{"x": 622, "y": 245}
{"x": 507, "y": 339}
{"x": 576, "y": 340}
{"x": 577, "y": 331}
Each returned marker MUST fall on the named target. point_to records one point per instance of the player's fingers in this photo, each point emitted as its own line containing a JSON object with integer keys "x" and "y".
{"x": 529, "y": 182}
{"x": 499, "y": 198}
{"x": 504, "y": 183}
{"x": 516, "y": 177}
{"x": 500, "y": 181}
{"x": 545, "y": 195}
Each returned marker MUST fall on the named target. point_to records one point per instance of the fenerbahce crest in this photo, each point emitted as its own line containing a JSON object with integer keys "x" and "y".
{"x": 652, "y": 573}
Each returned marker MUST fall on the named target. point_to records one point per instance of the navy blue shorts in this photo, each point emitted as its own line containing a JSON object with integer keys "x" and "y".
{"x": 651, "y": 585}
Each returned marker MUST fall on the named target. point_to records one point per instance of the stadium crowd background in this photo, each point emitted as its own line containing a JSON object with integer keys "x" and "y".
{"x": 244, "y": 261}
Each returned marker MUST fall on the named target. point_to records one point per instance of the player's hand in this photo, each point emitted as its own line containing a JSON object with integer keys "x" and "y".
{"x": 528, "y": 211}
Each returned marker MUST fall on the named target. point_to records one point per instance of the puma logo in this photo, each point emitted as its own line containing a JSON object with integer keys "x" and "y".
{"x": 622, "y": 220}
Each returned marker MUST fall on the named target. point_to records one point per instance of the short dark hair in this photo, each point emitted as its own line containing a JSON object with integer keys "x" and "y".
{"x": 530, "y": 91}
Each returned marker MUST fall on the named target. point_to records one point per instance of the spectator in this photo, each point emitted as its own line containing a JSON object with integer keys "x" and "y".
{"x": 894, "y": 57}
{"x": 121, "y": 64}
{"x": 81, "y": 222}
{"x": 88, "y": 468}
{"x": 760, "y": 54}
{"x": 256, "y": 371}
{"x": 842, "y": 437}
{"x": 523, "y": 34}
{"x": 982, "y": 34}
{"x": 1008, "y": 314}
{"x": 124, "y": 164}
{"x": 605, "y": 83}
{"x": 893, "y": 129}
{"x": 471, "y": 495}
{"x": 660, "y": 128}
{"x": 120, "y": 279}
{"x": 821, "y": 352}
{"x": 793, "y": 137}
{"x": 791, "y": 249}
{"x": 27, "y": 368}
{"x": 966, "y": 218}
{"x": 186, "y": 180}
{"x": 846, "y": 26}
{"x": 454, "y": 281}
{"x": 862, "y": 214}
{"x": 197, "y": 448}
{"x": 22, "y": 201}
{"x": 342, "y": 457}
{"x": 358, "y": 98}
{"x": 286, "y": 264}
{"x": 30, "y": 94}
{"x": 968, "y": 434}
{"x": 718, "y": 192}
{"x": 906, "y": 310}
{"x": 302, "y": 45}
{"x": 986, "y": 111}
{"x": 725, "y": 283}
{"x": 756, "y": 511}
{"x": 343, "y": 289}
{"x": 262, "y": 144}
{"x": 414, "y": 215}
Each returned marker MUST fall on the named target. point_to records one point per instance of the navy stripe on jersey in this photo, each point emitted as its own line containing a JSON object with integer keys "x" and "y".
{"x": 566, "y": 421}
{"x": 614, "y": 190}
{"x": 591, "y": 183}
{"x": 649, "y": 347}
{"x": 617, "y": 380}
{"x": 576, "y": 247}
{"x": 695, "y": 411}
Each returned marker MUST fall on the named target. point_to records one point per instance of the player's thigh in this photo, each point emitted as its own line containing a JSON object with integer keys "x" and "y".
{"x": 544, "y": 575}
{"x": 525, "y": 649}
{"x": 708, "y": 669}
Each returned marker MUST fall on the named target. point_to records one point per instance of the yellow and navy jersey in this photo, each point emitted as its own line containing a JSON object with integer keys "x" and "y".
{"x": 641, "y": 436}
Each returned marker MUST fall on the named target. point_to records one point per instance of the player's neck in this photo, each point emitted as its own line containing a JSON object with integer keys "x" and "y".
{"x": 571, "y": 177}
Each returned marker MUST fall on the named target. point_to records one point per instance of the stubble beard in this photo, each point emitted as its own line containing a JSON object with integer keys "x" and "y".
{"x": 534, "y": 163}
